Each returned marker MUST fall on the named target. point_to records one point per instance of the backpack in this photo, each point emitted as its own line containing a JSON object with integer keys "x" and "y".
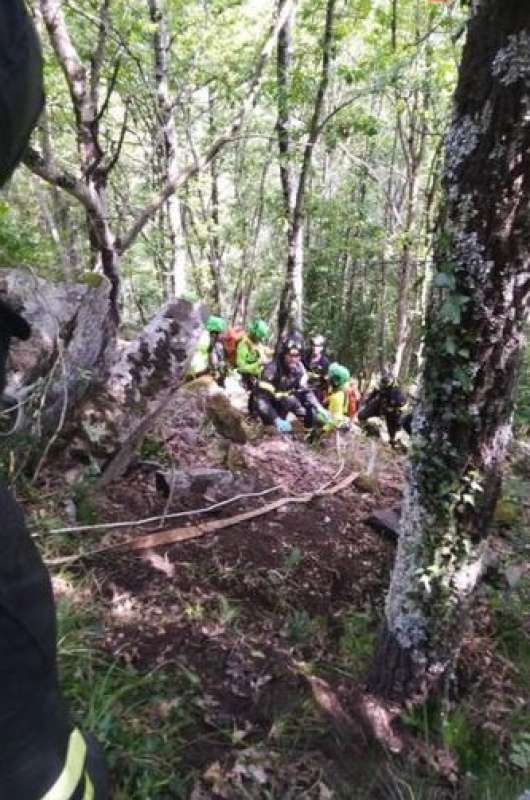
{"x": 351, "y": 402}
{"x": 230, "y": 340}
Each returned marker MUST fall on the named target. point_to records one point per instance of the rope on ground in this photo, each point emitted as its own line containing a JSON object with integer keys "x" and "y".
{"x": 136, "y": 523}
{"x": 184, "y": 534}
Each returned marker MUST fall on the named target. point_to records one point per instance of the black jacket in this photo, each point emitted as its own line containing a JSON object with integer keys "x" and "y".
{"x": 283, "y": 380}
{"x": 35, "y": 726}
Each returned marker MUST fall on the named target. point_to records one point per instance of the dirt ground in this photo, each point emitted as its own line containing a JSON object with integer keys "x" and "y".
{"x": 250, "y": 611}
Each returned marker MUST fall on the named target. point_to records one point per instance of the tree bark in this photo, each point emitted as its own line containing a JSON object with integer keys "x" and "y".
{"x": 167, "y": 141}
{"x": 474, "y": 337}
{"x": 83, "y": 85}
{"x": 290, "y": 314}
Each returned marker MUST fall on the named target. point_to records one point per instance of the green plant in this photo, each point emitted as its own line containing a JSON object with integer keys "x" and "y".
{"x": 142, "y": 719}
{"x": 292, "y": 559}
{"x": 299, "y": 627}
{"x": 520, "y": 751}
{"x": 357, "y": 641}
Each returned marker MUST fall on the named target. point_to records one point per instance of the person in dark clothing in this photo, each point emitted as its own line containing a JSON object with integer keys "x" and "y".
{"x": 387, "y": 401}
{"x": 317, "y": 364}
{"x": 283, "y": 389}
{"x": 43, "y": 755}
{"x": 12, "y": 325}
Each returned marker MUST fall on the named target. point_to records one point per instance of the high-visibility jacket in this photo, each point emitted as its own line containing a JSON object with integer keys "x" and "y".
{"x": 337, "y": 405}
{"x": 250, "y": 357}
{"x": 43, "y": 756}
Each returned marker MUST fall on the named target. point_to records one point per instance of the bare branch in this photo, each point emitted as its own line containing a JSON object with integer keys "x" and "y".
{"x": 110, "y": 89}
{"x": 96, "y": 60}
{"x": 69, "y": 61}
{"x": 61, "y": 178}
{"x": 107, "y": 168}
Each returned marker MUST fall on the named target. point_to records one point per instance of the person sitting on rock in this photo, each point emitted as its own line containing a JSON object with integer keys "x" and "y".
{"x": 387, "y": 401}
{"x": 251, "y": 353}
{"x": 317, "y": 364}
{"x": 209, "y": 357}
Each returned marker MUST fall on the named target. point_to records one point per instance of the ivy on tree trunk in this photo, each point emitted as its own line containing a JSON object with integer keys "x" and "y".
{"x": 474, "y": 337}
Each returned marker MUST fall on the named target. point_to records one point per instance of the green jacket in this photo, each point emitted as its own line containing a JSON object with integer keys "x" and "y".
{"x": 250, "y": 357}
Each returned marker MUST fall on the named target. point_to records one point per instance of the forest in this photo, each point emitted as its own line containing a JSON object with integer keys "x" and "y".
{"x": 274, "y": 577}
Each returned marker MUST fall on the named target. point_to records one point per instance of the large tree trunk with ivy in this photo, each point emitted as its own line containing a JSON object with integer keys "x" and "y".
{"x": 474, "y": 338}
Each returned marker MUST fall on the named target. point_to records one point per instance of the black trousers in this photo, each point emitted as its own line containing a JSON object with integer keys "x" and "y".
{"x": 303, "y": 404}
{"x": 35, "y": 725}
{"x": 374, "y": 408}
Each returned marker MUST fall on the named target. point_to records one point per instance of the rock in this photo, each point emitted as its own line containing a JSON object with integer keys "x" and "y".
{"x": 521, "y": 458}
{"x": 507, "y": 513}
{"x": 235, "y": 458}
{"x": 198, "y": 481}
{"x": 227, "y": 420}
{"x": 385, "y": 521}
{"x": 69, "y": 344}
{"x": 514, "y": 573}
{"x": 367, "y": 483}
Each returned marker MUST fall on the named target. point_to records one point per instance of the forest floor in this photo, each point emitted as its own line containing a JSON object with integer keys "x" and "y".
{"x": 195, "y": 662}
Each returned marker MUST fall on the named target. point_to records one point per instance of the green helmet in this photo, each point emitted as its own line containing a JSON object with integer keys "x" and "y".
{"x": 338, "y": 375}
{"x": 215, "y": 325}
{"x": 259, "y": 330}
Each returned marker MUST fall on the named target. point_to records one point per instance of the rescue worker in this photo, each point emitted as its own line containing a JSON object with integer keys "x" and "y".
{"x": 43, "y": 755}
{"x": 251, "y": 353}
{"x": 283, "y": 389}
{"x": 386, "y": 400}
{"x": 208, "y": 357}
{"x": 338, "y": 378}
{"x": 317, "y": 364}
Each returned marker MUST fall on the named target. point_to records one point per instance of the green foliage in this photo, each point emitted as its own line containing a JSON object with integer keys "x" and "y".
{"x": 476, "y": 749}
{"x": 300, "y": 628}
{"x": 142, "y": 720}
{"x": 522, "y": 406}
{"x": 22, "y": 240}
{"x": 357, "y": 641}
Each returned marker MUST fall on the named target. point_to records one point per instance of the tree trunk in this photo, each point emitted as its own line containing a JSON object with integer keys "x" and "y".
{"x": 474, "y": 338}
{"x": 290, "y": 313}
{"x": 167, "y": 144}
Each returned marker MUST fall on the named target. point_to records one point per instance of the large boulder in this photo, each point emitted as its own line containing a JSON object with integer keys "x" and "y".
{"x": 85, "y": 367}
{"x": 69, "y": 325}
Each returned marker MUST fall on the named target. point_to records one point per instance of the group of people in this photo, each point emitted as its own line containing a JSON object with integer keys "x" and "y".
{"x": 298, "y": 381}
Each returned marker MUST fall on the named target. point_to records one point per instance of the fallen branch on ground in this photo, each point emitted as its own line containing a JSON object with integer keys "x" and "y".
{"x": 183, "y": 534}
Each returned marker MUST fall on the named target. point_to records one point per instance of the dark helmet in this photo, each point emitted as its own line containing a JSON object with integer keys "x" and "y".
{"x": 295, "y": 339}
{"x": 291, "y": 346}
{"x": 387, "y": 379}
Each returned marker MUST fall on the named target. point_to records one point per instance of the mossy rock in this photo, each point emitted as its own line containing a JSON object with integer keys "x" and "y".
{"x": 368, "y": 484}
{"x": 91, "y": 279}
{"x": 227, "y": 420}
{"x": 507, "y": 513}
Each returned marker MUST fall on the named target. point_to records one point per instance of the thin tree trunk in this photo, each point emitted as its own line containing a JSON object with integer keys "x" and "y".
{"x": 168, "y": 146}
{"x": 290, "y": 314}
